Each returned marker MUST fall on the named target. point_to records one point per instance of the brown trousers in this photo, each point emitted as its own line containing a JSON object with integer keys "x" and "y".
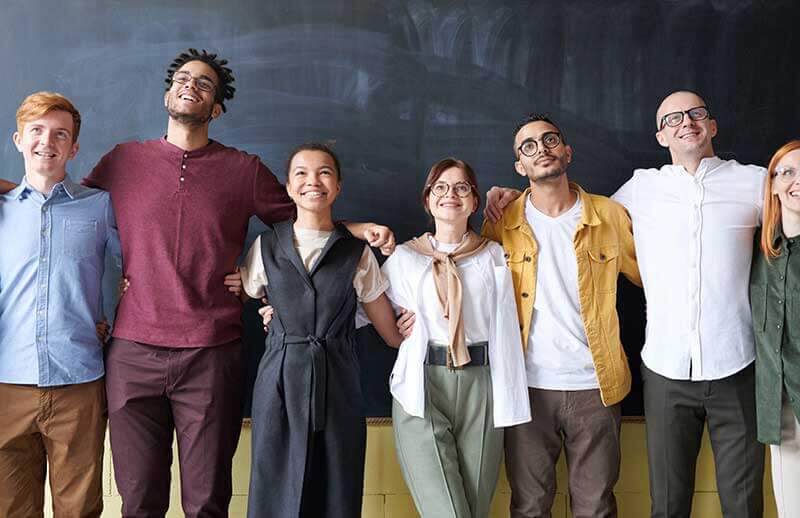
{"x": 63, "y": 426}
{"x": 589, "y": 434}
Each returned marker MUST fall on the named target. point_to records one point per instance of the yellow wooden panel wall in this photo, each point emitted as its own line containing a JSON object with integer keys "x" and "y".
{"x": 386, "y": 496}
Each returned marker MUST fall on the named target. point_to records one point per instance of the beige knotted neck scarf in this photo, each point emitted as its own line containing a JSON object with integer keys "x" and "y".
{"x": 448, "y": 286}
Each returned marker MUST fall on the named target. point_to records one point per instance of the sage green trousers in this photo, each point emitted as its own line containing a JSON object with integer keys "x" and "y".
{"x": 451, "y": 457}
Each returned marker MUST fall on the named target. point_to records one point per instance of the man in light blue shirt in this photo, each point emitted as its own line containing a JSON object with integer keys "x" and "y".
{"x": 55, "y": 236}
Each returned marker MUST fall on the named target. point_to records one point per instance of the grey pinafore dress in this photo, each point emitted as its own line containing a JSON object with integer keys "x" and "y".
{"x": 309, "y": 433}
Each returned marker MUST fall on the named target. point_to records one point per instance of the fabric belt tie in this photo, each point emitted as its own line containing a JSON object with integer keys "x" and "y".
{"x": 319, "y": 376}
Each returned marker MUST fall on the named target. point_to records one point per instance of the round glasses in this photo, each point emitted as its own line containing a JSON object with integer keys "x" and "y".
{"x": 786, "y": 175}
{"x": 183, "y": 78}
{"x": 672, "y": 119}
{"x": 461, "y": 189}
{"x": 549, "y": 140}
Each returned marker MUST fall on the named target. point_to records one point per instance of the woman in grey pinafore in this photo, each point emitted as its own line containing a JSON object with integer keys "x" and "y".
{"x": 309, "y": 434}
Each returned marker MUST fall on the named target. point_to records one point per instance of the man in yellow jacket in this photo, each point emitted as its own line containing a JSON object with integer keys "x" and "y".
{"x": 566, "y": 249}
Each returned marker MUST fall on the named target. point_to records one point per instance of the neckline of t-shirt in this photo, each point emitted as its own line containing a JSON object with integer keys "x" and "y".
{"x": 446, "y": 247}
{"x": 567, "y": 214}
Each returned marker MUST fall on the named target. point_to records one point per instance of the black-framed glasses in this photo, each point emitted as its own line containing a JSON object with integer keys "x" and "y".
{"x": 785, "y": 175}
{"x": 672, "y": 119}
{"x": 462, "y": 189}
{"x": 549, "y": 140}
{"x": 183, "y": 78}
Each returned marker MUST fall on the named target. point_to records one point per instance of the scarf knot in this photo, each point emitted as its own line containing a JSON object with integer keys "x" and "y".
{"x": 448, "y": 287}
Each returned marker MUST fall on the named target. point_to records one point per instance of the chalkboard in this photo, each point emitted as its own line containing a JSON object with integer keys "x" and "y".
{"x": 397, "y": 85}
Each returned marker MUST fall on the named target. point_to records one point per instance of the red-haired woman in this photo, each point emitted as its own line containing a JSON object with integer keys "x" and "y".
{"x": 775, "y": 301}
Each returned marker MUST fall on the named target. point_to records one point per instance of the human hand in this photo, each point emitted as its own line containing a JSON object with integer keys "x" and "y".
{"x": 405, "y": 322}
{"x": 103, "y": 331}
{"x": 124, "y": 284}
{"x": 234, "y": 282}
{"x": 266, "y": 314}
{"x": 497, "y": 198}
{"x": 380, "y": 236}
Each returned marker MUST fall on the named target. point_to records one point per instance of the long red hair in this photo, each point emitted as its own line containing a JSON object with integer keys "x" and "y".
{"x": 772, "y": 205}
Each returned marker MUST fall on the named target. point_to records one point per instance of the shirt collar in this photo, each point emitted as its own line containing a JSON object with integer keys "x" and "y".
{"x": 706, "y": 166}
{"x": 172, "y": 149}
{"x": 70, "y": 188}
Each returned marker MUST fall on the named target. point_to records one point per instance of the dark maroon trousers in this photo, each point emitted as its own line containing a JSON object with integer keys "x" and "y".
{"x": 193, "y": 393}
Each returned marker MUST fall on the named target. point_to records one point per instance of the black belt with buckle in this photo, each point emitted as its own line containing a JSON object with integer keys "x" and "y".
{"x": 478, "y": 354}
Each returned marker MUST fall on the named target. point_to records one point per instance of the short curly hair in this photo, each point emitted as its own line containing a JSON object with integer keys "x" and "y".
{"x": 224, "y": 90}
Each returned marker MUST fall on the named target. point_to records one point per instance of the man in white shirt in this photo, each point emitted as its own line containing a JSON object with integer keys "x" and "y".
{"x": 565, "y": 249}
{"x": 693, "y": 223}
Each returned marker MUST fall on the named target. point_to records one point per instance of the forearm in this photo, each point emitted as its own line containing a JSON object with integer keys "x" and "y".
{"x": 383, "y": 319}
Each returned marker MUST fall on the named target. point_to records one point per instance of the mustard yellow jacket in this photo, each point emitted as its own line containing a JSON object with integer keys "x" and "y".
{"x": 604, "y": 249}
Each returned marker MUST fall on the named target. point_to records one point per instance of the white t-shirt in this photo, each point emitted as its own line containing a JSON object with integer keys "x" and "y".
{"x": 558, "y": 355}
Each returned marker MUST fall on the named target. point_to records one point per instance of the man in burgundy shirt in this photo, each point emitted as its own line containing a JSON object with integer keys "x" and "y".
{"x": 183, "y": 204}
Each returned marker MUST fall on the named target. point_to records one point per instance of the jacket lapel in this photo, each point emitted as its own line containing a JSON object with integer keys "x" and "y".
{"x": 285, "y": 234}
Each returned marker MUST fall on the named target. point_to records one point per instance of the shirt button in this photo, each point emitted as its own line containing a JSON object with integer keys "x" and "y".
{"x": 186, "y": 155}
{"x": 182, "y": 178}
{"x": 527, "y": 258}
{"x": 524, "y": 294}
{"x": 780, "y": 301}
{"x": 183, "y": 166}
{"x": 780, "y": 325}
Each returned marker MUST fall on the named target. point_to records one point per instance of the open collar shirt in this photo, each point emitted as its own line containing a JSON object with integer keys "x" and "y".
{"x": 51, "y": 267}
{"x": 694, "y": 236}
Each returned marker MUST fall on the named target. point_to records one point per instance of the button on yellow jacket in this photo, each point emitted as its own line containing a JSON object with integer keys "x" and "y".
{"x": 603, "y": 249}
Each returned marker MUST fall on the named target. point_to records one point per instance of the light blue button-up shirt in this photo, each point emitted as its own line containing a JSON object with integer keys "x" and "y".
{"x": 52, "y": 261}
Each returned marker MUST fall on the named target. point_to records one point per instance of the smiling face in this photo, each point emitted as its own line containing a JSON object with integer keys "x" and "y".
{"x": 313, "y": 180}
{"x": 788, "y": 191}
{"x": 547, "y": 164}
{"x": 46, "y": 144}
{"x": 690, "y": 138}
{"x": 450, "y": 207}
{"x": 186, "y": 101}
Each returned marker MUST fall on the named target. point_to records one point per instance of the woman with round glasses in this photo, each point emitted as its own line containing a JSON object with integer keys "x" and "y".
{"x": 775, "y": 301}
{"x": 459, "y": 377}
{"x": 309, "y": 434}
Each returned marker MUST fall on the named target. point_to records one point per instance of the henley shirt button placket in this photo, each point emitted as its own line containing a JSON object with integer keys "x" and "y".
{"x": 182, "y": 177}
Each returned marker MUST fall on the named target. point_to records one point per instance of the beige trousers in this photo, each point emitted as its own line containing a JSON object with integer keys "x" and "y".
{"x": 60, "y": 426}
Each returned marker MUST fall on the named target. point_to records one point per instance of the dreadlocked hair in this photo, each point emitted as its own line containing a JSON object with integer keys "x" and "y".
{"x": 224, "y": 91}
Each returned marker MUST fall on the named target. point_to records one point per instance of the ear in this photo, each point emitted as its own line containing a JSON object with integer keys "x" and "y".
{"x": 712, "y": 130}
{"x": 518, "y": 167}
{"x": 568, "y": 150}
{"x": 74, "y": 151}
{"x": 17, "y": 139}
{"x": 166, "y": 96}
{"x": 662, "y": 140}
{"x": 216, "y": 111}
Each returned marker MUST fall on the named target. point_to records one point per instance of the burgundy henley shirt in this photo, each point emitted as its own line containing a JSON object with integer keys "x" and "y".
{"x": 182, "y": 218}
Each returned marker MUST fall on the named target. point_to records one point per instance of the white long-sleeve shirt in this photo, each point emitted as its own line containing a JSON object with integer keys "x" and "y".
{"x": 694, "y": 242}
{"x": 489, "y": 313}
